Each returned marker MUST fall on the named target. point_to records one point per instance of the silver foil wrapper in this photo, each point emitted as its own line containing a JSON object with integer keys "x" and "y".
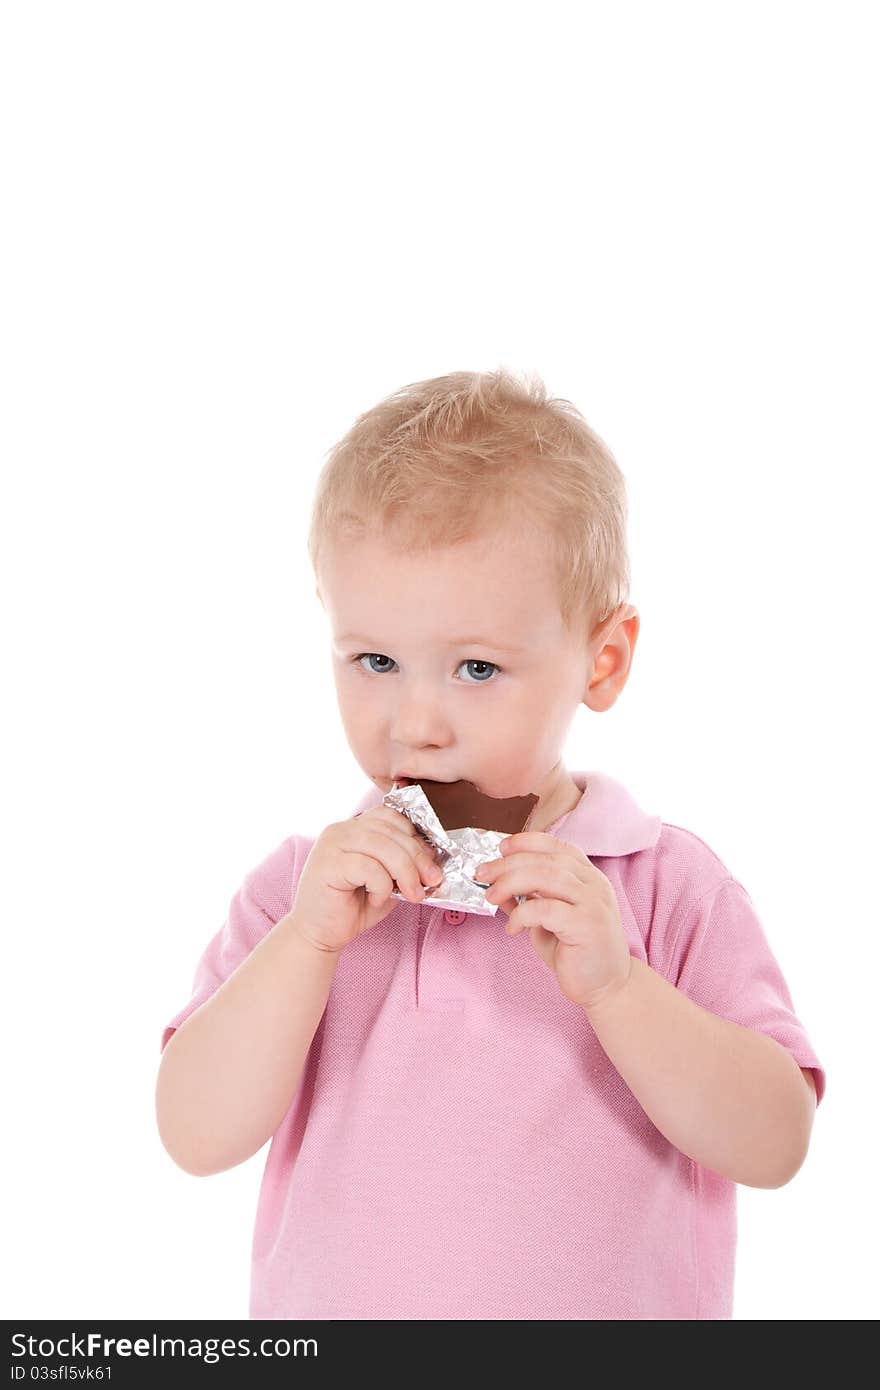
{"x": 458, "y": 852}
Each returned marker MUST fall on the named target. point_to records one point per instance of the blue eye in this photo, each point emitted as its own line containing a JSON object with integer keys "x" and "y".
{"x": 474, "y": 661}
{"x": 366, "y": 655}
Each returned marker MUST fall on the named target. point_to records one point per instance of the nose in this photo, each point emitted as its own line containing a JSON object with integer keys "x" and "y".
{"x": 418, "y": 720}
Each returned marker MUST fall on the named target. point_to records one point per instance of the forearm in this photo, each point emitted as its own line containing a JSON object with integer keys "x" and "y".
{"x": 231, "y": 1070}
{"x": 730, "y": 1098}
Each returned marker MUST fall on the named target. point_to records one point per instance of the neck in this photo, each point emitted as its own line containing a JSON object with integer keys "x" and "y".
{"x": 559, "y": 800}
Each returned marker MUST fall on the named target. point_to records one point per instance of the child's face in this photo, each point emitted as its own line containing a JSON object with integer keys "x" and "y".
{"x": 426, "y": 698}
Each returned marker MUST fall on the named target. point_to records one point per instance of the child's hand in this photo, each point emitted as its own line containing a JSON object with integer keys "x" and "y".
{"x": 573, "y": 918}
{"x": 351, "y": 871}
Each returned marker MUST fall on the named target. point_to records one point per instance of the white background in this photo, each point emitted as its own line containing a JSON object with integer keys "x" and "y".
{"x": 228, "y": 229}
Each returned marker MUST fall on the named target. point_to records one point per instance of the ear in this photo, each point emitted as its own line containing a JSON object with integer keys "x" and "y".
{"x": 612, "y": 652}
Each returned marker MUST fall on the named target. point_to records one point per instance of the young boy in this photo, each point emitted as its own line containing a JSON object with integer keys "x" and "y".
{"x": 541, "y": 1114}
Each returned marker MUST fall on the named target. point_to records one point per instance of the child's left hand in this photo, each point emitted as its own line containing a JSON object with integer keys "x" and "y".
{"x": 573, "y": 919}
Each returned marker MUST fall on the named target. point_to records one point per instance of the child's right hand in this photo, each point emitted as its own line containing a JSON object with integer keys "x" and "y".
{"x": 351, "y": 871}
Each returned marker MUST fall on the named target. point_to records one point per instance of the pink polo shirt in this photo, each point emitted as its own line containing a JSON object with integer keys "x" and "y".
{"x": 460, "y": 1146}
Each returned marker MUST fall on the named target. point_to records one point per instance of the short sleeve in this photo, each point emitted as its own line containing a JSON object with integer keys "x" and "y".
{"x": 264, "y": 897}
{"x": 722, "y": 960}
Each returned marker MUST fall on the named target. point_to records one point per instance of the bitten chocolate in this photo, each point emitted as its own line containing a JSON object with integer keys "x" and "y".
{"x": 459, "y": 805}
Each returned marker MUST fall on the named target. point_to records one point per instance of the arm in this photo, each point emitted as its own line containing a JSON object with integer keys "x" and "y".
{"x": 232, "y": 1069}
{"x": 730, "y": 1098}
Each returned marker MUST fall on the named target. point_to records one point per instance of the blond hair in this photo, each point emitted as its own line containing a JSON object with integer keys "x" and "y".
{"x": 442, "y": 461}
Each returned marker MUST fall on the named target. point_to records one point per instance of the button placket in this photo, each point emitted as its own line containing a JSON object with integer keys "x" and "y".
{"x": 421, "y": 938}
{"x": 428, "y": 998}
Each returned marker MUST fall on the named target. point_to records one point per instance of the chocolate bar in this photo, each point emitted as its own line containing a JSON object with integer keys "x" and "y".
{"x": 450, "y": 817}
{"x": 460, "y": 805}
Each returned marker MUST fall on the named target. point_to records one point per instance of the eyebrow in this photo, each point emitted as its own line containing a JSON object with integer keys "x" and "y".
{"x": 453, "y": 642}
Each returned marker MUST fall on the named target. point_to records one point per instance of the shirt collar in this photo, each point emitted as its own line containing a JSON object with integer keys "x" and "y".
{"x": 605, "y": 823}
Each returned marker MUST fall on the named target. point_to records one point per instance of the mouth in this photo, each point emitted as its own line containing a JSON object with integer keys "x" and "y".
{"x": 403, "y": 780}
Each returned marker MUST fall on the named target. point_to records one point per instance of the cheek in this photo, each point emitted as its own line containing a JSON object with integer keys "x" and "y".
{"x": 518, "y": 746}
{"x": 357, "y": 710}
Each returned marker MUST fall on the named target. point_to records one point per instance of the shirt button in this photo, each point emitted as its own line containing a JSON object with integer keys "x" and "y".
{"x": 453, "y": 917}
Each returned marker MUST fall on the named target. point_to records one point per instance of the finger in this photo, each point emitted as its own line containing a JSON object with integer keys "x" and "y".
{"x": 394, "y": 823}
{"x": 541, "y": 877}
{"x": 537, "y": 912}
{"x": 560, "y": 863}
{"x": 361, "y": 870}
{"x": 538, "y": 842}
{"x": 413, "y": 874}
{"x": 407, "y": 864}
